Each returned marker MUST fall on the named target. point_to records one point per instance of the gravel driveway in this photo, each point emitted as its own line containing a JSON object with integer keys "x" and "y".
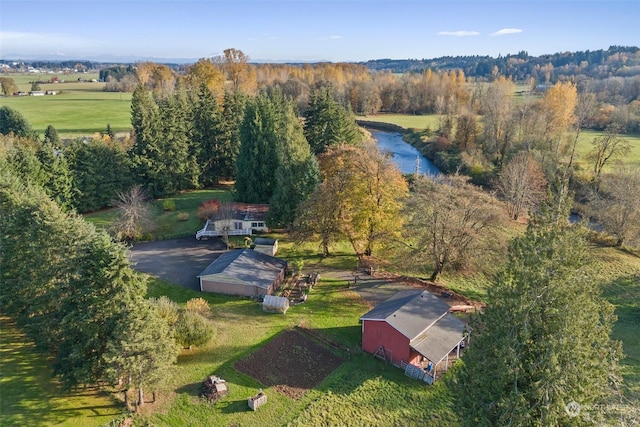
{"x": 178, "y": 261}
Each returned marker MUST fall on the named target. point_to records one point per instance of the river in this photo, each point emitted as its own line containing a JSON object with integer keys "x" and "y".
{"x": 404, "y": 154}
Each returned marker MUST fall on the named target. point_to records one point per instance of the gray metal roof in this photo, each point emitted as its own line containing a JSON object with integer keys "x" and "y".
{"x": 438, "y": 340}
{"x": 264, "y": 241}
{"x": 409, "y": 312}
{"x": 245, "y": 266}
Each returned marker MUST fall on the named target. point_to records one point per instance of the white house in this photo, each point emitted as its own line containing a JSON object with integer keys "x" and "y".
{"x": 235, "y": 219}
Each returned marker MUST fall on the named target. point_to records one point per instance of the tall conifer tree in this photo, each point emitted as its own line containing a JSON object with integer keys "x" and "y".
{"x": 543, "y": 341}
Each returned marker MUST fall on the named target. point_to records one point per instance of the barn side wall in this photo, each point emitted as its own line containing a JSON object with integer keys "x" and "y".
{"x": 378, "y": 333}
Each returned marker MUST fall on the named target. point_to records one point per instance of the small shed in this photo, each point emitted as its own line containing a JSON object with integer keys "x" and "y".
{"x": 265, "y": 245}
{"x": 274, "y": 304}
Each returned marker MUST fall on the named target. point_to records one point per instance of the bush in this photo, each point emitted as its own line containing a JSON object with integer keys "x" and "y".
{"x": 169, "y": 205}
{"x": 198, "y": 305}
{"x": 183, "y": 216}
{"x": 193, "y": 330}
{"x": 167, "y": 309}
{"x": 207, "y": 209}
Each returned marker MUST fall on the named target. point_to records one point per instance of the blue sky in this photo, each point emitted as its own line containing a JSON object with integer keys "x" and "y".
{"x": 311, "y": 30}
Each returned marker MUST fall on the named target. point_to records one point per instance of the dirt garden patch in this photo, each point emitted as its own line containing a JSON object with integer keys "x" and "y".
{"x": 291, "y": 363}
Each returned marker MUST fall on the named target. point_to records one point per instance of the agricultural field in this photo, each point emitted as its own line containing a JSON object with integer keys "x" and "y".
{"x": 585, "y": 145}
{"x": 78, "y": 109}
{"x": 407, "y": 121}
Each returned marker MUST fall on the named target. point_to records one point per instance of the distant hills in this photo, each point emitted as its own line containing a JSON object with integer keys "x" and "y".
{"x": 623, "y": 61}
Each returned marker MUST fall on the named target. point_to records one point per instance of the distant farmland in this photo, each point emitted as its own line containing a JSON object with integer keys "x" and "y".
{"x": 78, "y": 108}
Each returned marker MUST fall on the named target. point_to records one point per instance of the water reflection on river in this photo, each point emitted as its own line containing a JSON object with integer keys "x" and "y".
{"x": 404, "y": 154}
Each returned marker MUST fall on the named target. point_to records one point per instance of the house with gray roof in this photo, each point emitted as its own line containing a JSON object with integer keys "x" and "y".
{"x": 243, "y": 272}
{"x": 413, "y": 328}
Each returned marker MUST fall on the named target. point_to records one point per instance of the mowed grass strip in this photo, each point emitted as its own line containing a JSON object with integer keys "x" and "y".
{"x": 29, "y": 395}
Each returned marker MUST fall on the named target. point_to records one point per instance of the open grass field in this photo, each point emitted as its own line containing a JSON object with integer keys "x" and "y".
{"x": 30, "y": 397}
{"x": 78, "y": 109}
{"x": 584, "y": 146}
{"x": 407, "y": 121}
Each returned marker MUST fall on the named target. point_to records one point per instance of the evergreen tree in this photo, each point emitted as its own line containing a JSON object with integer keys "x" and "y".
{"x": 59, "y": 184}
{"x": 543, "y": 341}
{"x": 232, "y": 115}
{"x": 80, "y": 297}
{"x": 327, "y": 123}
{"x": 297, "y": 174}
{"x": 176, "y": 167}
{"x": 12, "y": 121}
{"x": 100, "y": 171}
{"x": 259, "y": 149}
{"x": 144, "y": 350}
{"x": 110, "y": 133}
{"x": 146, "y": 154}
{"x": 207, "y": 137}
{"x": 51, "y": 136}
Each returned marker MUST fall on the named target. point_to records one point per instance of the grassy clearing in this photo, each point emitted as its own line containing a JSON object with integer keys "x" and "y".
{"x": 31, "y": 397}
{"x": 84, "y": 110}
{"x": 407, "y": 121}
{"x": 584, "y": 146}
{"x": 167, "y": 224}
{"x": 619, "y": 273}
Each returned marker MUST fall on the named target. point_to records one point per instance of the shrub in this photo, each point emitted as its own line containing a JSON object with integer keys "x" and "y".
{"x": 193, "y": 329}
{"x": 169, "y": 205}
{"x": 207, "y": 209}
{"x": 183, "y": 216}
{"x": 198, "y": 305}
{"x": 167, "y": 309}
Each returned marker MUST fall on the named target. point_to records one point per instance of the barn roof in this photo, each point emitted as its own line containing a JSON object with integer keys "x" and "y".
{"x": 424, "y": 319}
{"x": 245, "y": 266}
{"x": 438, "y": 340}
{"x": 409, "y": 312}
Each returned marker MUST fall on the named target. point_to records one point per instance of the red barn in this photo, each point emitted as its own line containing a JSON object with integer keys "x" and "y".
{"x": 412, "y": 327}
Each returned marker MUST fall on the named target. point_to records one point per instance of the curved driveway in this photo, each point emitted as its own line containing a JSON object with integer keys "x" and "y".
{"x": 178, "y": 261}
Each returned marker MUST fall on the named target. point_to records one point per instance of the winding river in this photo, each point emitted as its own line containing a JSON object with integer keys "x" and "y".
{"x": 404, "y": 154}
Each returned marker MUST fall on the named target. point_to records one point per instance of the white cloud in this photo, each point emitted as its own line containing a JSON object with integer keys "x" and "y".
{"x": 331, "y": 38}
{"x": 505, "y": 31}
{"x": 459, "y": 33}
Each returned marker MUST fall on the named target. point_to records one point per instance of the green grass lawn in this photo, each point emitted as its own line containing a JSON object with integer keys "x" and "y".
{"x": 29, "y": 396}
{"x": 584, "y": 146}
{"x": 407, "y": 121}
{"x": 75, "y": 113}
{"x": 78, "y": 109}
{"x": 166, "y": 224}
